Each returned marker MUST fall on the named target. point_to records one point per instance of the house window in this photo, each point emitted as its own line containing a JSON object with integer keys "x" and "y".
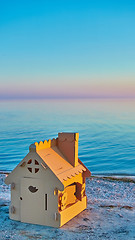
{"x": 33, "y": 166}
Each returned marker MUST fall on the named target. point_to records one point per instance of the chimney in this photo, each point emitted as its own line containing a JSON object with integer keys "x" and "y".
{"x": 68, "y": 145}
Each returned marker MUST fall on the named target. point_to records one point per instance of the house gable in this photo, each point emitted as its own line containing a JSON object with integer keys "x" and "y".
{"x": 33, "y": 166}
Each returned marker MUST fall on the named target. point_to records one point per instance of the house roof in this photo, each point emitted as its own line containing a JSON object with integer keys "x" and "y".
{"x": 60, "y": 155}
{"x": 55, "y": 160}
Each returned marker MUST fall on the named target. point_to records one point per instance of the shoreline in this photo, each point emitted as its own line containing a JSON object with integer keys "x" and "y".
{"x": 113, "y": 177}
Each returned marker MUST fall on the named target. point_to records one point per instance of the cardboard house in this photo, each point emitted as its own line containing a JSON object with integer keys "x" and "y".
{"x": 48, "y": 185}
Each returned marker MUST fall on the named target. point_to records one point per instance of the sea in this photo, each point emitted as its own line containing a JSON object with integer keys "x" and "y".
{"x": 106, "y": 131}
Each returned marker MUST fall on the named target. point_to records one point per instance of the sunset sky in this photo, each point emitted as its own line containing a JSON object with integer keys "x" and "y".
{"x": 67, "y": 48}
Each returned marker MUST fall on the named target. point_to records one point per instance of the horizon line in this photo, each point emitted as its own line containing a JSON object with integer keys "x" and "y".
{"x": 62, "y": 97}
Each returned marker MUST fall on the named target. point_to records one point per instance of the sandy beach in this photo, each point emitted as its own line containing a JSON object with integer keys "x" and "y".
{"x": 110, "y": 214}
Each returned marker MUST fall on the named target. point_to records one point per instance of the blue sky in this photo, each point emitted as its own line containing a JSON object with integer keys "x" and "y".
{"x": 67, "y": 48}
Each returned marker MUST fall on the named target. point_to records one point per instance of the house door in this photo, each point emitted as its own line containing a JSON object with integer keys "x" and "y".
{"x": 33, "y": 201}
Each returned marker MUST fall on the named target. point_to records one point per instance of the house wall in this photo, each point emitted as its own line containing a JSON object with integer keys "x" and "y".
{"x": 70, "y": 212}
{"x": 74, "y": 190}
{"x": 78, "y": 201}
{"x": 50, "y": 183}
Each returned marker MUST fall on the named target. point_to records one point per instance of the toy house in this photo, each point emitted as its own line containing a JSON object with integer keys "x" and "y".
{"x": 48, "y": 185}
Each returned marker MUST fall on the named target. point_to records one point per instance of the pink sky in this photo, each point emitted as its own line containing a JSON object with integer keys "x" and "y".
{"x": 102, "y": 89}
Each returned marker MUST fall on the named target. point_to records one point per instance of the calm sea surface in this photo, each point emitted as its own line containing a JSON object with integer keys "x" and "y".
{"x": 106, "y": 128}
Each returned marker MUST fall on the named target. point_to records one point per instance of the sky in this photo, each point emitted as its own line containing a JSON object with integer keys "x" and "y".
{"x": 67, "y": 49}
